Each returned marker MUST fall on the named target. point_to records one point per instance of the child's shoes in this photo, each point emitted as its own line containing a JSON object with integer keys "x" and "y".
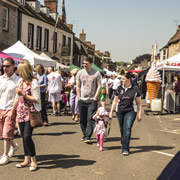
{"x": 101, "y": 149}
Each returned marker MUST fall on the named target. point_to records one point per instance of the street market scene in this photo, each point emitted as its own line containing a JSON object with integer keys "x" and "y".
{"x": 70, "y": 110}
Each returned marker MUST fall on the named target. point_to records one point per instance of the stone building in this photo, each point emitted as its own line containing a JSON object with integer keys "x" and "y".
{"x": 172, "y": 47}
{"x": 8, "y": 23}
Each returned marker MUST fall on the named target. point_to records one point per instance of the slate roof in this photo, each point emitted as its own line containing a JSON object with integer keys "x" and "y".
{"x": 175, "y": 38}
{"x": 29, "y": 11}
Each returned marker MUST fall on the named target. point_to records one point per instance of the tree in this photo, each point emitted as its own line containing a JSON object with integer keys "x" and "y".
{"x": 121, "y": 63}
{"x": 122, "y": 72}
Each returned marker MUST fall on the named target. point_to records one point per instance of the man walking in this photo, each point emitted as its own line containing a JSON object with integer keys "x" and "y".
{"x": 55, "y": 83}
{"x": 8, "y": 85}
{"x": 88, "y": 88}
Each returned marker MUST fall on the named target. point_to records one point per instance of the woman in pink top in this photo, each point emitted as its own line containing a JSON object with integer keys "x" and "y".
{"x": 27, "y": 99}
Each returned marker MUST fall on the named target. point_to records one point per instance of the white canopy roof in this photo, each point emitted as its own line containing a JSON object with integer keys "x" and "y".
{"x": 108, "y": 73}
{"x": 19, "y": 50}
{"x": 62, "y": 67}
{"x": 172, "y": 63}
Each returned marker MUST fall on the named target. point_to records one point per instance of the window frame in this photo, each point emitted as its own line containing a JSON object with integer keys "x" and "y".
{"x": 69, "y": 45}
{"x": 39, "y": 40}
{"x": 55, "y": 42}
{"x": 46, "y": 40}
{"x": 6, "y": 19}
{"x": 31, "y": 46}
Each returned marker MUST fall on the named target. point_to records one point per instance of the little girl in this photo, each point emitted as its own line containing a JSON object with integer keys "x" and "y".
{"x": 100, "y": 129}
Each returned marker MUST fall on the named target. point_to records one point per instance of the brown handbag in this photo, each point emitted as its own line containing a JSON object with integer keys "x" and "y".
{"x": 35, "y": 119}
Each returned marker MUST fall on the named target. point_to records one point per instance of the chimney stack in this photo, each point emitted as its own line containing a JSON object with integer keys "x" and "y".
{"x": 51, "y": 4}
{"x": 70, "y": 26}
{"x": 82, "y": 36}
{"x": 178, "y": 28}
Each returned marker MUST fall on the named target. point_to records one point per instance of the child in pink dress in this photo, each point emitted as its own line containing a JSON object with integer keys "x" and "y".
{"x": 100, "y": 129}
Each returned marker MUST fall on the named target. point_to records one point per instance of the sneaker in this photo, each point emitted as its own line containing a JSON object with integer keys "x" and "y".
{"x": 12, "y": 150}
{"x": 58, "y": 114}
{"x": 101, "y": 149}
{"x": 82, "y": 139}
{"x": 53, "y": 114}
{"x": 86, "y": 139}
{"x": 125, "y": 153}
{"x": 4, "y": 160}
{"x": 98, "y": 144}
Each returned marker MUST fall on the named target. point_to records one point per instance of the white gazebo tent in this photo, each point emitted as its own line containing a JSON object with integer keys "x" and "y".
{"x": 171, "y": 64}
{"x": 19, "y": 50}
{"x": 62, "y": 67}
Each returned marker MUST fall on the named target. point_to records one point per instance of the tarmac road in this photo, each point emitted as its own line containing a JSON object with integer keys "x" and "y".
{"x": 62, "y": 155}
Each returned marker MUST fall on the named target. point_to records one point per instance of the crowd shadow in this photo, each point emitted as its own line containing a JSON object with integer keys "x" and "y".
{"x": 54, "y": 134}
{"x": 52, "y": 161}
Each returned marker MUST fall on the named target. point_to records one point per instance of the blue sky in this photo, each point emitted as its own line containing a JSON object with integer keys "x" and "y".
{"x": 125, "y": 28}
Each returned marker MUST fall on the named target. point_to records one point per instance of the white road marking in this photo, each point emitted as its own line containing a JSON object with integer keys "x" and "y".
{"x": 175, "y": 119}
{"x": 169, "y": 131}
{"x": 166, "y": 154}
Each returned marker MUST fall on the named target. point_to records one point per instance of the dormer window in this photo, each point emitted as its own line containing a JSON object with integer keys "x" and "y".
{"x": 22, "y": 2}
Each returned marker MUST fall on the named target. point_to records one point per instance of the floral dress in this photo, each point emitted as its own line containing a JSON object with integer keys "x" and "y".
{"x": 101, "y": 125}
{"x": 24, "y": 106}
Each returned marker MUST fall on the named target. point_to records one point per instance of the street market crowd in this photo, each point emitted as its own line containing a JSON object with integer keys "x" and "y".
{"x": 24, "y": 90}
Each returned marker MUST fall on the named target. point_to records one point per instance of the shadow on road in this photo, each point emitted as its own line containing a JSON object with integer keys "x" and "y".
{"x": 53, "y": 134}
{"x": 149, "y": 148}
{"x": 61, "y": 161}
{"x": 52, "y": 161}
{"x": 62, "y": 123}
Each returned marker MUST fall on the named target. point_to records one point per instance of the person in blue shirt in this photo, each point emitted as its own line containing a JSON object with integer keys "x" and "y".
{"x": 42, "y": 80}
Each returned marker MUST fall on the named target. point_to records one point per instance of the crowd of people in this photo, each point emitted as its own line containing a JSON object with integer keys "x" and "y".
{"x": 23, "y": 91}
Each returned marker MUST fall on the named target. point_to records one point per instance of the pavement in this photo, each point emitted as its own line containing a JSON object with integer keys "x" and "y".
{"x": 61, "y": 155}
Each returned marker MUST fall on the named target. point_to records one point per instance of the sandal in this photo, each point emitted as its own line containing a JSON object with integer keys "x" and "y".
{"x": 22, "y": 165}
{"x": 33, "y": 167}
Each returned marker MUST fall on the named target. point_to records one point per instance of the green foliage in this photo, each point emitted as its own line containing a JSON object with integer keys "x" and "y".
{"x": 122, "y": 72}
{"x": 122, "y": 63}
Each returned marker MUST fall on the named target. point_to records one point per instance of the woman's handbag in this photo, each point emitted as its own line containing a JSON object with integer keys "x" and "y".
{"x": 35, "y": 119}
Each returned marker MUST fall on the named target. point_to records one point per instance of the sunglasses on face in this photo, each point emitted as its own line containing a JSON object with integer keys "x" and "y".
{"x": 6, "y": 66}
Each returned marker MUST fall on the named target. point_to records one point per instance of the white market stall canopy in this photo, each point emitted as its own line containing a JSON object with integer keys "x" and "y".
{"x": 171, "y": 64}
{"x": 19, "y": 50}
{"x": 62, "y": 67}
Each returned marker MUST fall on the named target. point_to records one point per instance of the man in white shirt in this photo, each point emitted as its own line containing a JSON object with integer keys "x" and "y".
{"x": 116, "y": 84}
{"x": 8, "y": 85}
{"x": 55, "y": 83}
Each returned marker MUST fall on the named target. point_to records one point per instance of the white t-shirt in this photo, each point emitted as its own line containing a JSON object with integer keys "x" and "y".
{"x": 54, "y": 82}
{"x": 8, "y": 91}
{"x": 116, "y": 83}
{"x": 104, "y": 83}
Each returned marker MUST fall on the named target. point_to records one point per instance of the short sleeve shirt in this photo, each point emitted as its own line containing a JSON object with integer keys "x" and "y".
{"x": 8, "y": 91}
{"x": 88, "y": 82}
{"x": 54, "y": 82}
{"x": 127, "y": 97}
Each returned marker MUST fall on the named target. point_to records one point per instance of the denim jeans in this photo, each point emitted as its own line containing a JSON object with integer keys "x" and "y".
{"x": 43, "y": 107}
{"x": 87, "y": 109}
{"x": 26, "y": 133}
{"x": 126, "y": 121}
